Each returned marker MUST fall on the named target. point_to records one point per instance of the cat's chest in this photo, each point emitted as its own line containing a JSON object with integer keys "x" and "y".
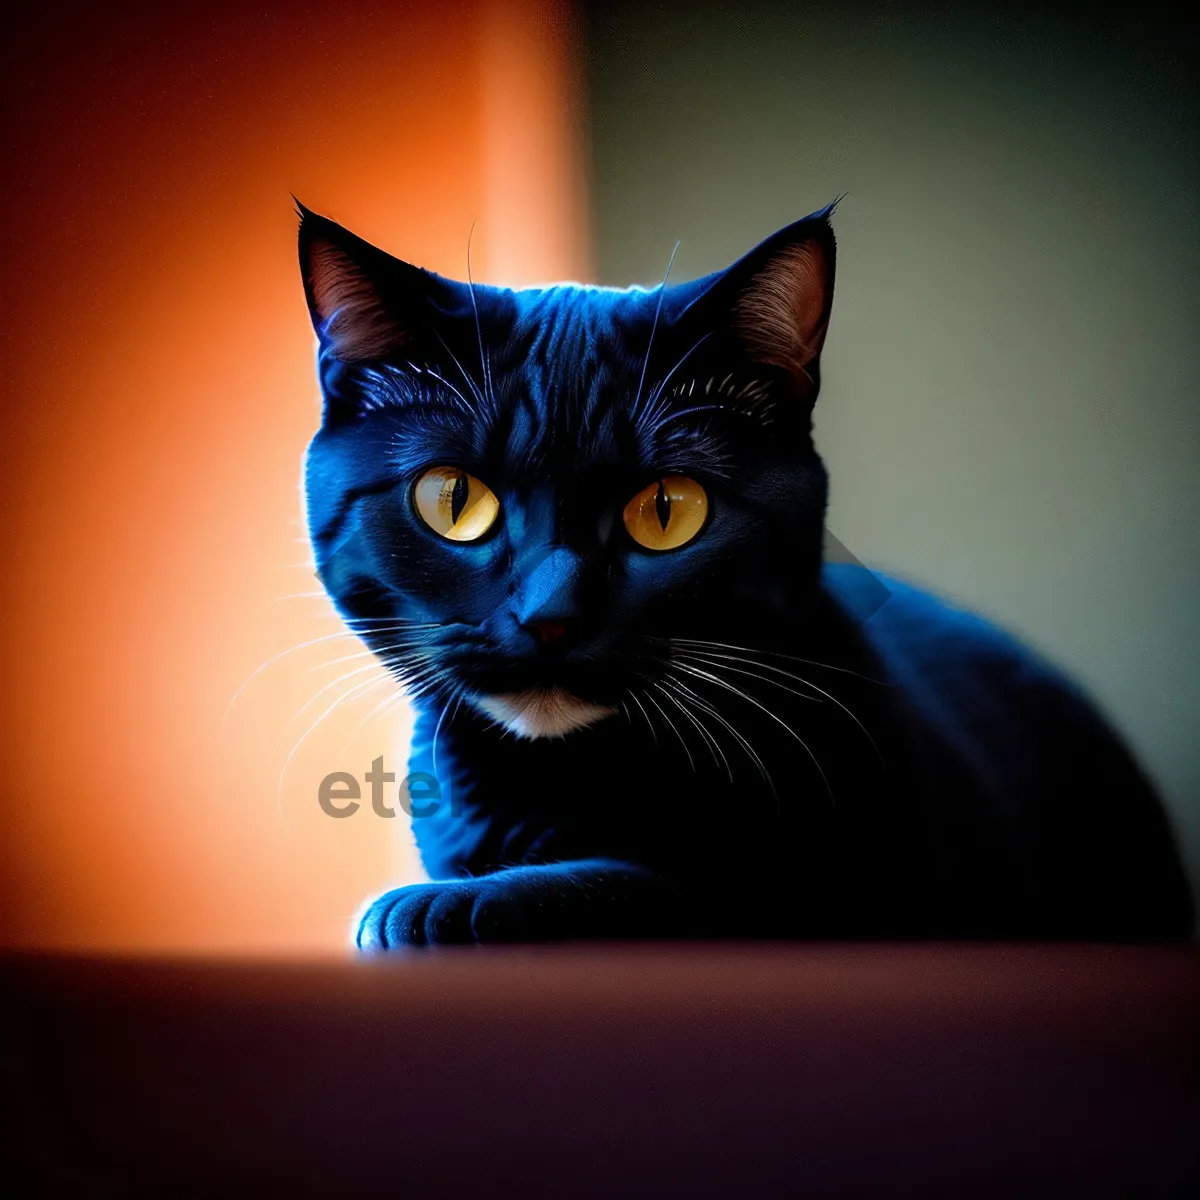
{"x": 791, "y": 772}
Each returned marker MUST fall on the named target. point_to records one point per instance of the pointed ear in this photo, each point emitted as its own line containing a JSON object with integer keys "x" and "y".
{"x": 783, "y": 293}
{"x": 359, "y": 298}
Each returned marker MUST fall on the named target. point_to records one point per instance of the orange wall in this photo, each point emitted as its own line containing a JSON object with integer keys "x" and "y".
{"x": 160, "y": 366}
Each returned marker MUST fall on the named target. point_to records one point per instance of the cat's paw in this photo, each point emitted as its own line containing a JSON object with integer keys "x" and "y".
{"x": 459, "y": 912}
{"x": 590, "y": 899}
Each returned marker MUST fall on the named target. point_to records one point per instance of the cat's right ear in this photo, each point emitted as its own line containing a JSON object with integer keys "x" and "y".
{"x": 356, "y": 293}
{"x": 371, "y": 309}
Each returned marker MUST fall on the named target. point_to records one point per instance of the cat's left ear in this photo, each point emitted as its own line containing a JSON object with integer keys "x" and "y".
{"x": 780, "y": 296}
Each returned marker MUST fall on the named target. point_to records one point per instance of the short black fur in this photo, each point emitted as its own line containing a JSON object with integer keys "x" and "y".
{"x": 765, "y": 762}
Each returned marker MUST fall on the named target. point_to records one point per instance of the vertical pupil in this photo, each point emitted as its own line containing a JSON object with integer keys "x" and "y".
{"x": 662, "y": 505}
{"x": 458, "y": 498}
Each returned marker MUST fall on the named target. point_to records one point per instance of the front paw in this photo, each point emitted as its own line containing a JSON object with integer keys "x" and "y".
{"x": 458, "y": 912}
{"x": 594, "y": 898}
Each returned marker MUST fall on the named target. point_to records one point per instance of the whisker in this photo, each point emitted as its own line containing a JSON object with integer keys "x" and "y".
{"x": 484, "y": 360}
{"x": 701, "y": 704}
{"x": 675, "y": 730}
{"x": 807, "y": 683}
{"x": 691, "y": 670}
{"x": 654, "y": 329}
{"x": 376, "y": 623}
{"x": 658, "y": 394}
{"x": 774, "y": 654}
{"x": 390, "y": 699}
{"x": 436, "y": 730}
{"x": 707, "y": 737}
{"x": 345, "y": 696}
{"x": 751, "y": 753}
{"x": 471, "y": 384}
{"x": 419, "y": 677}
{"x": 711, "y": 660}
{"x": 446, "y": 383}
{"x": 653, "y": 731}
{"x": 328, "y": 637}
{"x": 371, "y": 651}
{"x": 372, "y": 666}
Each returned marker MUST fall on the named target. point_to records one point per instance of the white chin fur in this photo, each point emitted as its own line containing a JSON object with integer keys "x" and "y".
{"x": 542, "y": 712}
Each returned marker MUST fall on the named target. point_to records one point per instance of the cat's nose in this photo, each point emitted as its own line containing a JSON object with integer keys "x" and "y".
{"x": 549, "y": 605}
{"x": 548, "y": 633}
{"x": 553, "y": 636}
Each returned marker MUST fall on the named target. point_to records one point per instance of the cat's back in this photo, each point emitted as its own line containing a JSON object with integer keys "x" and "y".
{"x": 1022, "y": 726}
{"x": 953, "y": 666}
{"x": 995, "y": 727}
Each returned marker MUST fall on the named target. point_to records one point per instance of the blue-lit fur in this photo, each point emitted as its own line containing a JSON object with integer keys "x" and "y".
{"x": 776, "y": 767}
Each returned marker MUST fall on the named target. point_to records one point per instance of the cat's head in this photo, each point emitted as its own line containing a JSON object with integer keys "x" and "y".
{"x": 522, "y": 499}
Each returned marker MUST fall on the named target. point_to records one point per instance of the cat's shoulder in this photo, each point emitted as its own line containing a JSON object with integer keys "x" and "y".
{"x": 916, "y": 633}
{"x": 972, "y": 684}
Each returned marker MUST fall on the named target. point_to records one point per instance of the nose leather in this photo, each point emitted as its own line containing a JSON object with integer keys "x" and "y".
{"x": 550, "y": 633}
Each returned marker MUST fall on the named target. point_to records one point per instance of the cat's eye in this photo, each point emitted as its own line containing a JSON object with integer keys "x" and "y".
{"x": 667, "y": 513}
{"x": 455, "y": 504}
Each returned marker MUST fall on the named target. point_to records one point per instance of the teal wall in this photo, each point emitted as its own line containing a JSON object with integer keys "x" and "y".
{"x": 1010, "y": 410}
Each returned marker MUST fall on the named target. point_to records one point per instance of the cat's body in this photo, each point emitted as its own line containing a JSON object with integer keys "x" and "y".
{"x": 998, "y": 805}
{"x": 680, "y": 729}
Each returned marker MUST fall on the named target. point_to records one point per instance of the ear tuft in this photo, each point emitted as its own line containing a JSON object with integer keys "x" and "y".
{"x": 783, "y": 313}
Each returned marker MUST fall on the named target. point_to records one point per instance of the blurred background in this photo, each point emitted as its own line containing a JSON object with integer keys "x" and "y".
{"x": 1009, "y": 409}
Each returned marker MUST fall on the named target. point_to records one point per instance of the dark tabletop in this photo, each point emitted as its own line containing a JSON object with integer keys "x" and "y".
{"x": 827, "y": 1070}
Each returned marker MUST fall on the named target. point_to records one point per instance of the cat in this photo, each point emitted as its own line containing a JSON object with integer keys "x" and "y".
{"x": 582, "y": 527}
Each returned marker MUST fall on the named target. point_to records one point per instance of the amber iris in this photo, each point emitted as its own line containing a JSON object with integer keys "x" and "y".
{"x": 454, "y": 504}
{"x": 667, "y": 513}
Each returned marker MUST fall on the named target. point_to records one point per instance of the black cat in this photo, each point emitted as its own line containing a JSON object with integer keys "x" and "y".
{"x": 583, "y": 528}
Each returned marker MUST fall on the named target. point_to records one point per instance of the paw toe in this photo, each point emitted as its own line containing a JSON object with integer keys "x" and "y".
{"x": 405, "y": 921}
{"x": 448, "y": 918}
{"x": 497, "y": 917}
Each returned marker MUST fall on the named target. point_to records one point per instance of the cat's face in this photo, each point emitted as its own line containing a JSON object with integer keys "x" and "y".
{"x": 521, "y": 497}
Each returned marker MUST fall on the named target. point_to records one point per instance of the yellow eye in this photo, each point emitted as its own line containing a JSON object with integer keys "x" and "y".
{"x": 455, "y": 504}
{"x": 667, "y": 513}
